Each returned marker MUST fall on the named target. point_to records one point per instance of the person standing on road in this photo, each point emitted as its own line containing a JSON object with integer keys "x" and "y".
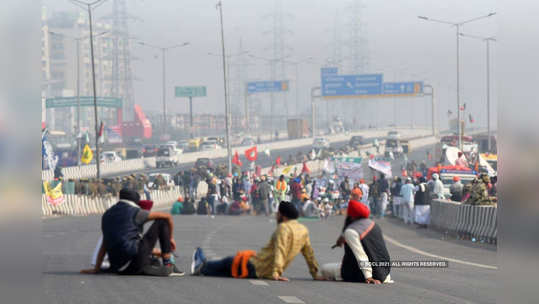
{"x": 421, "y": 204}
{"x": 280, "y": 189}
{"x": 395, "y": 196}
{"x": 438, "y": 187}
{"x": 264, "y": 192}
{"x": 344, "y": 187}
{"x": 407, "y": 194}
{"x": 289, "y": 239}
{"x": 383, "y": 190}
{"x": 374, "y": 195}
{"x": 365, "y": 190}
{"x": 363, "y": 245}
{"x": 296, "y": 189}
{"x": 456, "y": 189}
{"x": 128, "y": 250}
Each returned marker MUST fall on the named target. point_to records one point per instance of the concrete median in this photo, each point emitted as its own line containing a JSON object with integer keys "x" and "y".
{"x": 465, "y": 221}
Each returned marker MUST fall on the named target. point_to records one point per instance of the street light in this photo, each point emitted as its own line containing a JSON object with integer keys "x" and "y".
{"x": 89, "y": 6}
{"x": 457, "y": 26}
{"x": 487, "y": 41}
{"x": 77, "y": 40}
{"x": 164, "y": 50}
{"x": 219, "y": 6}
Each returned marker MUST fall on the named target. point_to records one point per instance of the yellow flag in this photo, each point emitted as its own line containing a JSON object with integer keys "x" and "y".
{"x": 54, "y": 195}
{"x": 87, "y": 155}
{"x": 287, "y": 169}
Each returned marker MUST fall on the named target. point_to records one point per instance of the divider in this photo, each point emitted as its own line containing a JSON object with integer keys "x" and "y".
{"x": 464, "y": 220}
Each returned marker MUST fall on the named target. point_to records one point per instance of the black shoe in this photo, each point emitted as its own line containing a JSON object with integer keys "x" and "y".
{"x": 176, "y": 272}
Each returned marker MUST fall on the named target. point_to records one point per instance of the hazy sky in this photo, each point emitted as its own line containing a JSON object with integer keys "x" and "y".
{"x": 399, "y": 44}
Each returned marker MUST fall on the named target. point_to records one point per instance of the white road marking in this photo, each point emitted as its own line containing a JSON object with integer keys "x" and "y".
{"x": 291, "y": 299}
{"x": 413, "y": 249}
{"x": 258, "y": 282}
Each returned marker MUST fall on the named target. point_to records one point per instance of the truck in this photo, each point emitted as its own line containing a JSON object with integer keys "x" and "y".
{"x": 297, "y": 128}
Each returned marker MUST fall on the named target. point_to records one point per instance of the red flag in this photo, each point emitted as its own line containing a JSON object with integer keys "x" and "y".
{"x": 251, "y": 153}
{"x": 236, "y": 159}
{"x": 404, "y": 173}
{"x": 305, "y": 169}
{"x": 101, "y": 127}
{"x": 278, "y": 161}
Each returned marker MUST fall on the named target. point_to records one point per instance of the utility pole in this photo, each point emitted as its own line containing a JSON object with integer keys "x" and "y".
{"x": 457, "y": 26}
{"x": 227, "y": 122}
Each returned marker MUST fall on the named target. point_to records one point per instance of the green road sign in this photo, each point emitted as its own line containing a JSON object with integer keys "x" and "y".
{"x": 190, "y": 91}
{"x": 85, "y": 101}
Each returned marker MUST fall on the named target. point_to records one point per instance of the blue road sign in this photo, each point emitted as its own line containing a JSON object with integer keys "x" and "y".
{"x": 403, "y": 88}
{"x": 351, "y": 85}
{"x": 366, "y": 85}
{"x": 267, "y": 86}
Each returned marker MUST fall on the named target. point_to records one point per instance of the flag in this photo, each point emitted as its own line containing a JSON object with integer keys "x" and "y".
{"x": 101, "y": 128}
{"x": 54, "y": 194}
{"x": 471, "y": 118}
{"x": 305, "y": 169}
{"x": 278, "y": 161}
{"x": 236, "y": 159}
{"x": 463, "y": 107}
{"x": 287, "y": 169}
{"x": 251, "y": 153}
{"x": 87, "y": 155}
{"x": 404, "y": 173}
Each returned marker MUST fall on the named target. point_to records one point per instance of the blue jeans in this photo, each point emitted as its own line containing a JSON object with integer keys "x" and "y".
{"x": 211, "y": 202}
{"x": 223, "y": 268}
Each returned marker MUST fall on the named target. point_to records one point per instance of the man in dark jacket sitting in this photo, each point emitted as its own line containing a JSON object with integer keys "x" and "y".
{"x": 128, "y": 250}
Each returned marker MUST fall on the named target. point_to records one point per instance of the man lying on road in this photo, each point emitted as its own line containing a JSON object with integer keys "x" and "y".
{"x": 128, "y": 250}
{"x": 363, "y": 244}
{"x": 289, "y": 239}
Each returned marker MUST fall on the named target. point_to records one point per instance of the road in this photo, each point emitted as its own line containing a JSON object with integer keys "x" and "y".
{"x": 69, "y": 241}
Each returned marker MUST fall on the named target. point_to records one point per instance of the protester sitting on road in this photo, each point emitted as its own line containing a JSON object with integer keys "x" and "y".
{"x": 177, "y": 206}
{"x": 129, "y": 251}
{"x": 456, "y": 189}
{"x": 289, "y": 239}
{"x": 363, "y": 244}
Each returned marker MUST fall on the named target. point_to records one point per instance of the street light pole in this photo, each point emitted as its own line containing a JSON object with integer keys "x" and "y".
{"x": 487, "y": 41}
{"x": 313, "y": 110}
{"x": 163, "y": 50}
{"x": 227, "y": 123}
{"x": 433, "y": 107}
{"x": 457, "y": 25}
{"x": 163, "y": 59}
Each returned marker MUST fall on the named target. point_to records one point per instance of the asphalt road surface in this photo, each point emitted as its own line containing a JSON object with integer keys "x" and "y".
{"x": 69, "y": 241}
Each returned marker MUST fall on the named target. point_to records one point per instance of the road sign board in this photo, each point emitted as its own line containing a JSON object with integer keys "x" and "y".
{"x": 364, "y": 85}
{"x": 351, "y": 85}
{"x": 267, "y": 86}
{"x": 85, "y": 101}
{"x": 199, "y": 91}
{"x": 403, "y": 88}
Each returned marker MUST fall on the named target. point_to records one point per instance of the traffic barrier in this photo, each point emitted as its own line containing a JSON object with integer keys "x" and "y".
{"x": 83, "y": 205}
{"x": 466, "y": 221}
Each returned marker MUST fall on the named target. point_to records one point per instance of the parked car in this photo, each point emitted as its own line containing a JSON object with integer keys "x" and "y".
{"x": 248, "y": 141}
{"x": 356, "y": 140}
{"x": 152, "y": 176}
{"x": 209, "y": 145}
{"x": 320, "y": 143}
{"x": 132, "y": 154}
{"x": 110, "y": 156}
{"x": 393, "y": 135}
{"x": 204, "y": 162}
{"x": 149, "y": 151}
{"x": 166, "y": 157}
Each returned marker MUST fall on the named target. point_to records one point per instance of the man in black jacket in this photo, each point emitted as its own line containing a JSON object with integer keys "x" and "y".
{"x": 128, "y": 250}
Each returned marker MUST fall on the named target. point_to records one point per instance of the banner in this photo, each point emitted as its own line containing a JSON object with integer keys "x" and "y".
{"x": 349, "y": 166}
{"x": 381, "y": 166}
{"x": 54, "y": 195}
{"x": 47, "y": 152}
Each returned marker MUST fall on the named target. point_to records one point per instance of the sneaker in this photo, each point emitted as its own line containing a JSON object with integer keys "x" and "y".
{"x": 176, "y": 272}
{"x": 198, "y": 261}
{"x": 159, "y": 271}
